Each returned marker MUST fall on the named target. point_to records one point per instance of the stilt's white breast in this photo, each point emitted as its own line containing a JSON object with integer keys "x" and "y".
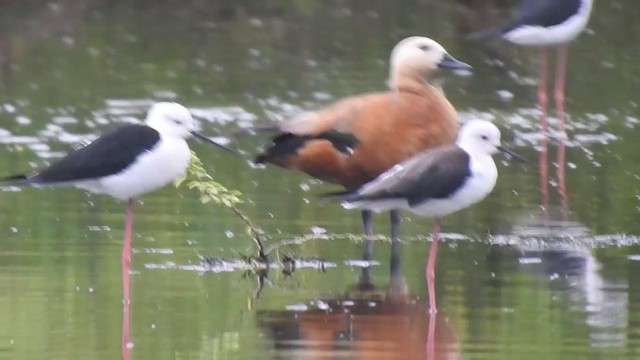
{"x": 484, "y": 175}
{"x": 152, "y": 170}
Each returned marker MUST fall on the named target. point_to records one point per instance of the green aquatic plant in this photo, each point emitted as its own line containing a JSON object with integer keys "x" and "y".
{"x": 197, "y": 178}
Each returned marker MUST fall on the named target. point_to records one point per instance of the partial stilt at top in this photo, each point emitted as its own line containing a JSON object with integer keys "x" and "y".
{"x": 545, "y": 24}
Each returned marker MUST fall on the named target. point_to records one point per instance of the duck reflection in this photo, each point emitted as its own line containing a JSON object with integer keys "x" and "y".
{"x": 364, "y": 323}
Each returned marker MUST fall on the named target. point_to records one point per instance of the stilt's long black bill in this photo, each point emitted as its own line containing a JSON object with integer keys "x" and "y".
{"x": 512, "y": 154}
{"x": 197, "y": 135}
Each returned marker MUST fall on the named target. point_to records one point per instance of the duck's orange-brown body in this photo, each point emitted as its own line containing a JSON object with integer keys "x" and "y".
{"x": 389, "y": 127}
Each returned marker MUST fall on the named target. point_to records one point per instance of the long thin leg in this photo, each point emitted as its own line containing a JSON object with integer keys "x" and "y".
{"x": 431, "y": 266}
{"x": 397, "y": 284}
{"x": 126, "y": 265}
{"x": 561, "y": 70}
{"x": 128, "y": 222}
{"x": 394, "y": 216}
{"x": 126, "y": 339}
{"x": 367, "y": 215}
{"x": 431, "y": 338}
{"x": 543, "y": 102}
{"x": 126, "y": 251}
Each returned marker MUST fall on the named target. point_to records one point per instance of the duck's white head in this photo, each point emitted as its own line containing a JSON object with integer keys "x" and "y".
{"x": 482, "y": 137}
{"x": 174, "y": 120}
{"x": 416, "y": 57}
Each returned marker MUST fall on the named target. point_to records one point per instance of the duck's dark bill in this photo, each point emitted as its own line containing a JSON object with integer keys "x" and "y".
{"x": 197, "y": 135}
{"x": 512, "y": 154}
{"x": 450, "y": 63}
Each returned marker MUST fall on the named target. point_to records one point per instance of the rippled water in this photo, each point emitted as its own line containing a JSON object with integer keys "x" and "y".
{"x": 513, "y": 281}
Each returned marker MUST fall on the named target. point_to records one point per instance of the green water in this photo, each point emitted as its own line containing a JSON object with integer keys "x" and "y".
{"x": 511, "y": 284}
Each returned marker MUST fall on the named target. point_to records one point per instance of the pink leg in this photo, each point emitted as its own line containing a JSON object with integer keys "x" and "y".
{"x": 128, "y": 222}
{"x": 560, "y": 113}
{"x": 543, "y": 103}
{"x": 431, "y": 338}
{"x": 561, "y": 72}
{"x": 126, "y": 251}
{"x": 126, "y": 264}
{"x": 126, "y": 339}
{"x": 431, "y": 266}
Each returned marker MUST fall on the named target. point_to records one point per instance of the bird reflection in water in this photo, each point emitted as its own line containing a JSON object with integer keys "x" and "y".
{"x": 364, "y": 323}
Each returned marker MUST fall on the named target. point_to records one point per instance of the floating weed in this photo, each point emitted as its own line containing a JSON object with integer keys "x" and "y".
{"x": 197, "y": 178}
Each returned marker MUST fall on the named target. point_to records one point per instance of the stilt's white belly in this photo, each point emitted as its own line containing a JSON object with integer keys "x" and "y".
{"x": 477, "y": 187}
{"x": 151, "y": 171}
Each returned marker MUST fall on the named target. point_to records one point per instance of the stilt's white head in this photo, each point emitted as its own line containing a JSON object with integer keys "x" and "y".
{"x": 479, "y": 137}
{"x": 171, "y": 119}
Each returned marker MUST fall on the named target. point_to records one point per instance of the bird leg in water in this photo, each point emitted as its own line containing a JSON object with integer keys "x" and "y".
{"x": 128, "y": 222}
{"x": 126, "y": 252}
{"x": 367, "y": 223}
{"x": 126, "y": 264}
{"x": 559, "y": 99}
{"x": 367, "y": 215}
{"x": 431, "y": 266}
{"x": 543, "y": 102}
{"x": 126, "y": 339}
{"x": 394, "y": 216}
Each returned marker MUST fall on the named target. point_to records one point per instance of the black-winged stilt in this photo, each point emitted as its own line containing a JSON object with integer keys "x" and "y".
{"x": 379, "y": 130}
{"x": 436, "y": 183}
{"x": 128, "y": 162}
{"x": 546, "y": 23}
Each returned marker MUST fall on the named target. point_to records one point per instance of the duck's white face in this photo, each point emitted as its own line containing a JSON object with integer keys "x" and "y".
{"x": 420, "y": 56}
{"x": 171, "y": 119}
{"x": 480, "y": 137}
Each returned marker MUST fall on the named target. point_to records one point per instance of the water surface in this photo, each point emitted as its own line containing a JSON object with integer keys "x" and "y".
{"x": 513, "y": 281}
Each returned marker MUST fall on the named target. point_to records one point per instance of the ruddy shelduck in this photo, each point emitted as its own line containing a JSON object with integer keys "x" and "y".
{"x": 355, "y": 139}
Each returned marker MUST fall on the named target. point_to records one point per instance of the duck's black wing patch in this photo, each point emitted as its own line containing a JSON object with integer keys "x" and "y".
{"x": 287, "y": 144}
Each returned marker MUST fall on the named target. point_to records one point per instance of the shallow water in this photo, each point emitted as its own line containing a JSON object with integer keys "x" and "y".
{"x": 513, "y": 282}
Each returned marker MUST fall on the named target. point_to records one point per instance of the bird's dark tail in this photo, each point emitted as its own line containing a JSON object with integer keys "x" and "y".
{"x": 340, "y": 196}
{"x": 288, "y": 144}
{"x": 16, "y": 180}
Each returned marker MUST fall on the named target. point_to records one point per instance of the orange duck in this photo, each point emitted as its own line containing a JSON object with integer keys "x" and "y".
{"x": 355, "y": 139}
